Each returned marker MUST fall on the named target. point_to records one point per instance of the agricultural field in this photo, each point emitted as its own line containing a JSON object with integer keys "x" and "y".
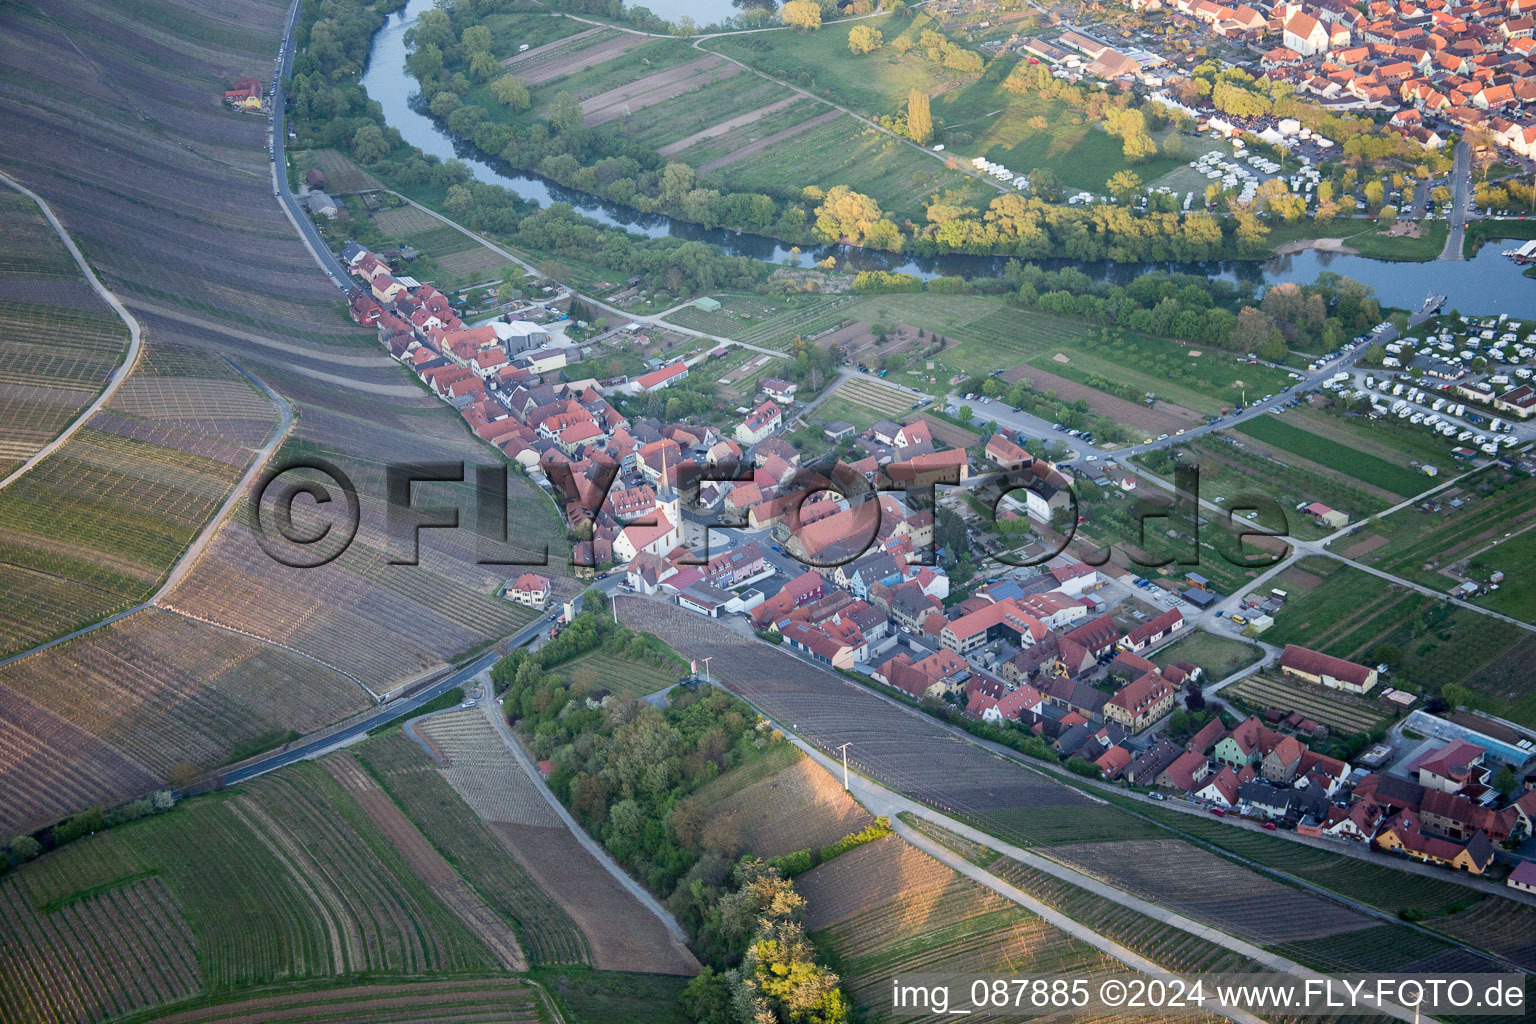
{"x": 838, "y": 150}
{"x": 286, "y": 879}
{"x": 152, "y": 694}
{"x": 1219, "y": 656}
{"x": 1229, "y": 472}
{"x": 479, "y": 806}
{"x": 1051, "y": 826}
{"x": 449, "y": 1001}
{"x": 341, "y": 174}
{"x": 1349, "y": 614}
{"x": 62, "y": 340}
{"x": 886, "y": 910}
{"x": 1263, "y": 693}
{"x": 1169, "y": 947}
{"x": 793, "y": 807}
{"x": 1205, "y": 887}
{"x": 1396, "y": 477}
{"x": 1376, "y": 883}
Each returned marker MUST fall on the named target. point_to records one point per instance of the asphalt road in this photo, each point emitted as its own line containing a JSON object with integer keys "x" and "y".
{"x": 296, "y": 213}
{"x": 1461, "y": 193}
{"x": 392, "y": 710}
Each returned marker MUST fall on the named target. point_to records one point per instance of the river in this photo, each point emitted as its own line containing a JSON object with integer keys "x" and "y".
{"x": 1486, "y": 284}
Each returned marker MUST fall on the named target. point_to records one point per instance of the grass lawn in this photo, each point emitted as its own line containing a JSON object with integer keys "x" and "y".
{"x": 876, "y": 83}
{"x": 620, "y": 675}
{"x": 1219, "y": 656}
{"x": 1516, "y": 596}
{"x": 1484, "y": 231}
{"x": 1371, "y": 469}
{"x": 842, "y": 151}
{"x": 511, "y": 30}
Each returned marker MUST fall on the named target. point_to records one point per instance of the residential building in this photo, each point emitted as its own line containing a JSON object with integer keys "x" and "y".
{"x": 530, "y": 589}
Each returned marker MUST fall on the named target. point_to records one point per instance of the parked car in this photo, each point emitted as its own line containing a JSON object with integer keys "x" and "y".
{"x": 1218, "y": 812}
{"x": 1269, "y": 825}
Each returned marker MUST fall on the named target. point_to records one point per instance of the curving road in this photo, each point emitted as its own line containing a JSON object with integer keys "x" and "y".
{"x": 119, "y": 374}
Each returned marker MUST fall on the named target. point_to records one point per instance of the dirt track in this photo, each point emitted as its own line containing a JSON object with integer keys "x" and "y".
{"x": 761, "y": 144}
{"x": 739, "y": 121}
{"x": 654, "y": 89}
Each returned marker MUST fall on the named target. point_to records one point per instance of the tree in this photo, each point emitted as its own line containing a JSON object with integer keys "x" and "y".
{"x": 510, "y": 92}
{"x": 1124, "y": 185}
{"x": 1251, "y": 330}
{"x": 804, "y": 15}
{"x": 864, "y": 39}
{"x": 919, "y": 117}
{"x": 1506, "y": 780}
{"x": 965, "y": 414}
{"x": 368, "y": 144}
{"x": 23, "y": 849}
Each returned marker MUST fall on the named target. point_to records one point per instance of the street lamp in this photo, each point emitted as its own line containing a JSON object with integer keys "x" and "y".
{"x": 844, "y": 749}
{"x": 706, "y": 668}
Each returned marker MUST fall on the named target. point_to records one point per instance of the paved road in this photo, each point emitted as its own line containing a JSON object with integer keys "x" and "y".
{"x": 388, "y": 712}
{"x": 1001, "y": 413}
{"x": 290, "y": 204}
{"x": 117, "y": 376}
{"x": 1461, "y": 193}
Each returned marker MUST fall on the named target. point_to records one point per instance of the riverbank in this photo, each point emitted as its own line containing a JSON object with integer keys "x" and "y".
{"x": 1487, "y": 282}
{"x": 1316, "y": 245}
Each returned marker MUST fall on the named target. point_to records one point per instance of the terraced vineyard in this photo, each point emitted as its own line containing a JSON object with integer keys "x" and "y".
{"x": 62, "y": 341}
{"x": 404, "y": 770}
{"x": 208, "y": 263}
{"x": 469, "y": 1001}
{"x": 93, "y": 528}
{"x": 147, "y": 694}
{"x": 886, "y": 910}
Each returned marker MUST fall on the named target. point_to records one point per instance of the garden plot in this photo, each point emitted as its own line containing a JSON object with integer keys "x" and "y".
{"x": 730, "y": 124}
{"x": 405, "y": 220}
{"x": 654, "y": 89}
{"x": 752, "y": 149}
{"x": 1160, "y": 418}
{"x": 341, "y": 174}
{"x": 885, "y": 400}
{"x": 1336, "y": 713}
{"x": 571, "y": 54}
{"x": 861, "y": 343}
